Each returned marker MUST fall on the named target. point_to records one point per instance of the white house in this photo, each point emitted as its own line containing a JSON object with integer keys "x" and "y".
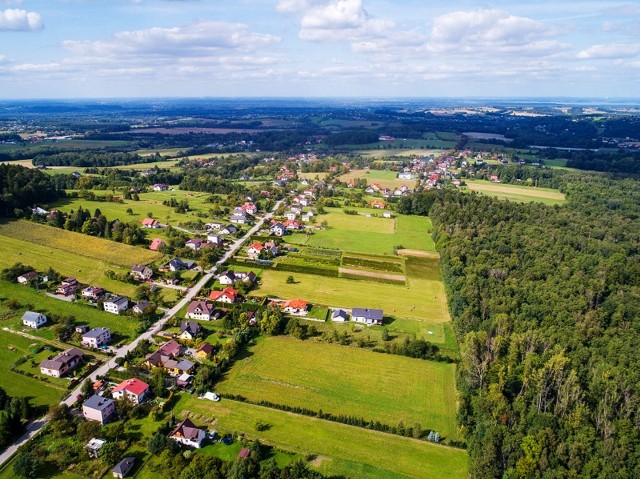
{"x": 199, "y": 310}
{"x": 254, "y": 250}
{"x": 115, "y": 304}
{"x": 33, "y": 320}
{"x": 59, "y": 365}
{"x": 227, "y": 278}
{"x": 96, "y": 337}
{"x": 290, "y": 215}
{"x": 367, "y": 316}
{"x": 25, "y": 278}
{"x": 278, "y": 229}
{"x": 195, "y": 244}
{"x": 188, "y": 434}
{"x": 133, "y": 389}
{"x": 238, "y": 218}
{"x": 339, "y": 316}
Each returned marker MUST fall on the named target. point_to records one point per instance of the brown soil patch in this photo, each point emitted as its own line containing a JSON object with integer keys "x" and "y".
{"x": 418, "y": 253}
{"x": 371, "y": 274}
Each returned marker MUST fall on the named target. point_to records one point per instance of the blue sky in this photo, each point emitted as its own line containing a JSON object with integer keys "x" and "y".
{"x": 370, "y": 48}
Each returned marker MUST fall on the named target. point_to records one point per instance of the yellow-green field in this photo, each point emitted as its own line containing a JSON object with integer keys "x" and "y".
{"x": 71, "y": 254}
{"x": 406, "y": 152}
{"x": 422, "y": 300}
{"x": 384, "y": 178}
{"x": 517, "y": 193}
{"x": 339, "y": 449}
{"x": 369, "y": 235}
{"x": 348, "y": 381}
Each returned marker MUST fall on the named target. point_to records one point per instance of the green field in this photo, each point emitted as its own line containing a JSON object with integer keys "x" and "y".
{"x": 71, "y": 259}
{"x": 518, "y": 193}
{"x": 149, "y": 203}
{"x": 410, "y": 152}
{"x": 339, "y": 449}
{"x": 33, "y": 300}
{"x": 42, "y": 393}
{"x": 348, "y": 381}
{"x": 373, "y": 235}
{"x": 384, "y": 178}
{"x": 422, "y": 300}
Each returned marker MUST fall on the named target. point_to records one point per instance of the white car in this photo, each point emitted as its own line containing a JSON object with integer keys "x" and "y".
{"x": 211, "y": 396}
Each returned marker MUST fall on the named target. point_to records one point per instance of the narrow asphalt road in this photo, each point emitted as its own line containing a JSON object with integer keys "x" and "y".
{"x": 34, "y": 427}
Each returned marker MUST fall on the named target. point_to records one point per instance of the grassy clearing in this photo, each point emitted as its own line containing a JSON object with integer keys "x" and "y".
{"x": 349, "y": 381}
{"x": 79, "y": 244}
{"x": 373, "y": 235}
{"x": 344, "y": 450}
{"x": 312, "y": 176}
{"x": 423, "y": 299}
{"x": 13, "y": 347}
{"x": 149, "y": 203}
{"x": 386, "y": 179}
{"x": 502, "y": 191}
{"x": 31, "y": 299}
{"x": 412, "y": 152}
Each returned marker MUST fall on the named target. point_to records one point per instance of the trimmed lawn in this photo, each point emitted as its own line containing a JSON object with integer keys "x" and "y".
{"x": 384, "y": 178}
{"x": 524, "y": 194}
{"x": 29, "y": 298}
{"x": 372, "y": 235}
{"x": 349, "y": 381}
{"x": 13, "y": 347}
{"x": 423, "y": 299}
{"x": 342, "y": 450}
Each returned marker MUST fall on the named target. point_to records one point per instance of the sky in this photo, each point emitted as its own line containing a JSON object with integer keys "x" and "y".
{"x": 319, "y": 48}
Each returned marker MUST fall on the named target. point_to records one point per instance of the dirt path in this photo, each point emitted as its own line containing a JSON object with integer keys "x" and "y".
{"x": 371, "y": 274}
{"x": 418, "y": 253}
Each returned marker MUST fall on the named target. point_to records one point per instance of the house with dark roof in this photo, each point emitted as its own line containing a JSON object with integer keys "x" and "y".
{"x": 189, "y": 330}
{"x": 115, "y": 304}
{"x": 26, "y": 277}
{"x": 367, "y": 316}
{"x": 205, "y": 351}
{"x": 98, "y": 408}
{"x": 199, "y": 310}
{"x": 123, "y": 467}
{"x": 339, "y": 316}
{"x": 96, "y": 338}
{"x": 188, "y": 434}
{"x": 141, "y": 273}
{"x": 64, "y": 362}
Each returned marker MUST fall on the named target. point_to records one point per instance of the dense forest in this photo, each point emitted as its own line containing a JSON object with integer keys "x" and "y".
{"x": 546, "y": 304}
{"x": 22, "y": 188}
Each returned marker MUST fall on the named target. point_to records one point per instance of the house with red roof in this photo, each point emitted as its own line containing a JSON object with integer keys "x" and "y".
{"x": 133, "y": 389}
{"x": 228, "y": 295}
{"x": 156, "y": 244}
{"x": 254, "y": 250}
{"x": 378, "y": 204}
{"x": 296, "y": 307}
{"x": 150, "y": 223}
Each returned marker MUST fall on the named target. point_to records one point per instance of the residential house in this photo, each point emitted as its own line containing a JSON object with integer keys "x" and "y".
{"x": 293, "y": 225}
{"x": 150, "y": 223}
{"x": 195, "y": 244}
{"x": 339, "y": 316}
{"x": 96, "y": 337}
{"x": 290, "y": 215}
{"x": 184, "y": 380}
{"x": 227, "y": 277}
{"x": 141, "y": 273}
{"x": 228, "y": 230}
{"x": 214, "y": 239}
{"x": 406, "y": 175}
{"x": 64, "y": 362}
{"x": 26, "y": 277}
{"x": 254, "y": 250}
{"x": 160, "y": 187}
{"x": 123, "y": 467}
{"x": 247, "y": 277}
{"x": 93, "y": 447}
{"x": 278, "y": 229}
{"x": 189, "y": 330}
{"x": 81, "y": 329}
{"x": 183, "y": 367}
{"x": 188, "y": 434}
{"x": 367, "y": 316}
{"x": 98, "y": 408}
{"x": 378, "y": 204}
{"x": 249, "y": 208}
{"x": 238, "y": 218}
{"x": 228, "y": 295}
{"x": 205, "y": 351}
{"x": 93, "y": 292}
{"x": 213, "y": 226}
{"x": 271, "y": 247}
{"x": 68, "y": 287}
{"x": 142, "y": 306}
{"x": 34, "y": 320}
{"x": 115, "y": 304}
{"x": 199, "y": 310}
{"x": 157, "y": 244}
{"x": 171, "y": 348}
{"x": 296, "y": 307}
{"x": 133, "y": 389}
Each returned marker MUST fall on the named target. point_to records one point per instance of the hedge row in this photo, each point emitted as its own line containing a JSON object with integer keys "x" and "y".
{"x": 372, "y": 264}
{"x": 372, "y": 279}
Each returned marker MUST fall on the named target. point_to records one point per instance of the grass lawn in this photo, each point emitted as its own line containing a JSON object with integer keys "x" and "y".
{"x": 42, "y": 393}
{"x": 28, "y": 298}
{"x": 150, "y": 202}
{"x": 422, "y": 299}
{"x": 341, "y": 450}
{"x": 373, "y": 235}
{"x": 384, "y": 178}
{"x": 355, "y": 382}
{"x": 525, "y": 194}
{"x": 67, "y": 263}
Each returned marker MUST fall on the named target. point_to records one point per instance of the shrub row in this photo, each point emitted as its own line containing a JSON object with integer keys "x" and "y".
{"x": 372, "y": 264}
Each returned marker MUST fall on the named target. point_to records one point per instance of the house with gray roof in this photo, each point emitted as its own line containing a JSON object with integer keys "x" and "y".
{"x": 98, "y": 408}
{"x": 367, "y": 316}
{"x": 123, "y": 467}
{"x": 34, "y": 320}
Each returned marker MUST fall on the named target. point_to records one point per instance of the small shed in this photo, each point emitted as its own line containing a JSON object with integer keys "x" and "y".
{"x": 123, "y": 467}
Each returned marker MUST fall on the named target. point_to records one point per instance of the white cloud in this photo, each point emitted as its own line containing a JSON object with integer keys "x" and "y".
{"x": 610, "y": 51}
{"x": 489, "y": 28}
{"x": 198, "y": 39}
{"x": 20, "y": 20}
